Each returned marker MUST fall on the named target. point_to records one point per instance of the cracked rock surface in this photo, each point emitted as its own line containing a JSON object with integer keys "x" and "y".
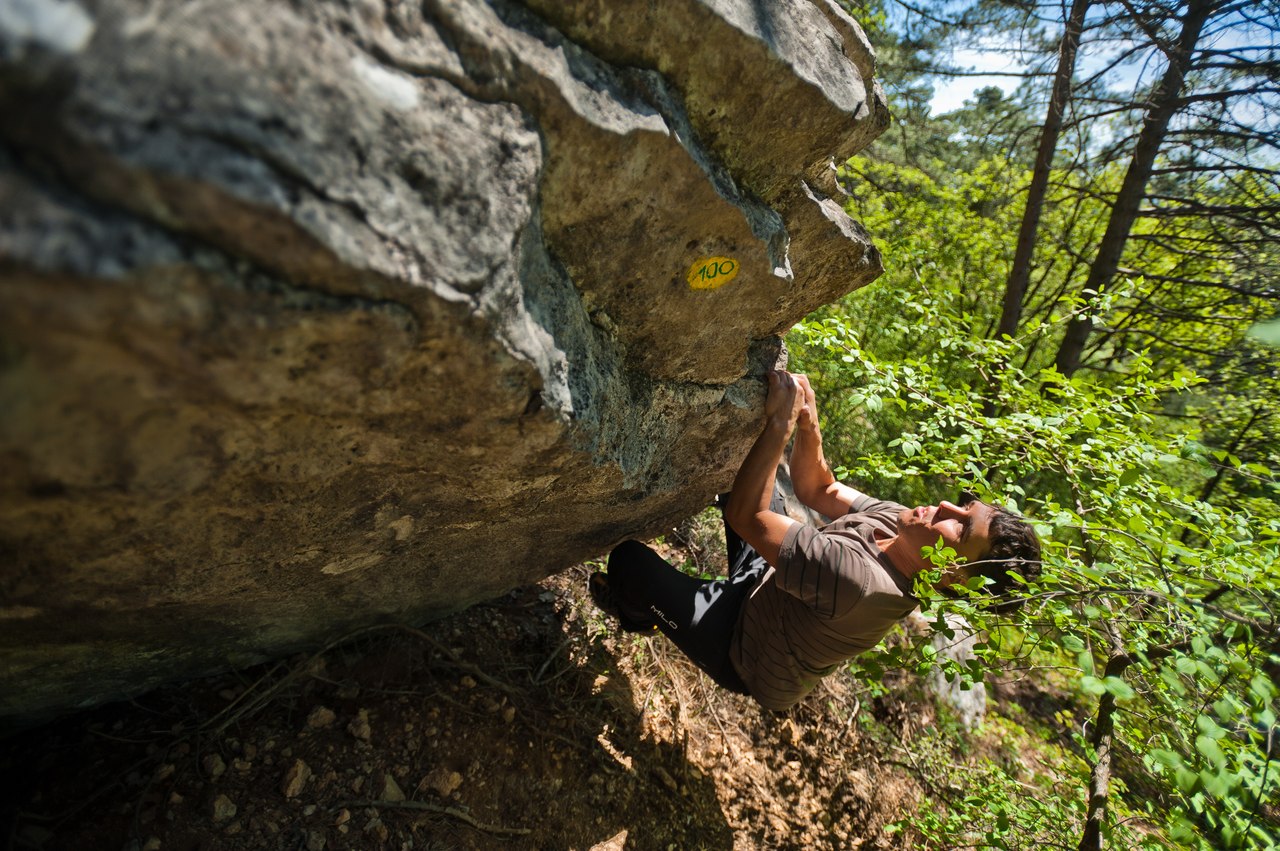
{"x": 320, "y": 315}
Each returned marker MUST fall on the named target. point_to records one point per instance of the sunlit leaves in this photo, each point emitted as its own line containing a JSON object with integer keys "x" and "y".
{"x": 1137, "y": 567}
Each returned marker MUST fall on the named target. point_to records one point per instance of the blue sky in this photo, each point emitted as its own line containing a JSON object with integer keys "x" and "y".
{"x": 1232, "y": 31}
{"x": 951, "y": 93}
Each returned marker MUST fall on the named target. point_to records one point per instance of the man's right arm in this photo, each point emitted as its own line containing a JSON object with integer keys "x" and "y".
{"x": 811, "y": 477}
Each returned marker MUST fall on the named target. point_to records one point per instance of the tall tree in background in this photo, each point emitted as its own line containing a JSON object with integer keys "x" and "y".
{"x": 914, "y": 43}
{"x": 1171, "y": 186}
{"x": 1024, "y": 250}
{"x": 1165, "y": 101}
{"x": 1185, "y": 163}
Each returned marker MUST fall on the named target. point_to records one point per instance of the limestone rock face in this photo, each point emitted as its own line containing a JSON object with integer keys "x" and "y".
{"x": 316, "y": 315}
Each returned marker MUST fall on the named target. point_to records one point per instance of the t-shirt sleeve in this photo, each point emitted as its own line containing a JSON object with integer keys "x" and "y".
{"x": 822, "y": 571}
{"x": 870, "y": 505}
{"x": 861, "y": 503}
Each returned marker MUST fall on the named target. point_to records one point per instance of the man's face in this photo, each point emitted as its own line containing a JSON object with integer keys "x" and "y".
{"x": 965, "y": 528}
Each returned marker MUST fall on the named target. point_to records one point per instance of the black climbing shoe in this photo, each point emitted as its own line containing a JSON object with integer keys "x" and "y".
{"x": 602, "y": 595}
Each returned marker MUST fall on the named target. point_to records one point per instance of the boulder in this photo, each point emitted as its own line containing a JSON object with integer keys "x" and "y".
{"x": 315, "y": 316}
{"x": 967, "y": 704}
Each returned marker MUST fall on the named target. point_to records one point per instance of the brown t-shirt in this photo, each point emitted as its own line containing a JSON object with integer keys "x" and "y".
{"x": 833, "y": 595}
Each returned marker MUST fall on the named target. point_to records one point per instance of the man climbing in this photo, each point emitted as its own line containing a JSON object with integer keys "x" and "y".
{"x": 799, "y": 600}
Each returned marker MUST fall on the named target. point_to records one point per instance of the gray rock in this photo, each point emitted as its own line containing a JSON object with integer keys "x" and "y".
{"x": 295, "y": 779}
{"x": 53, "y": 26}
{"x": 359, "y": 726}
{"x": 222, "y": 809}
{"x": 391, "y": 790}
{"x": 214, "y": 767}
{"x": 968, "y": 705}
{"x": 443, "y": 781}
{"x": 321, "y": 716}
{"x": 314, "y": 316}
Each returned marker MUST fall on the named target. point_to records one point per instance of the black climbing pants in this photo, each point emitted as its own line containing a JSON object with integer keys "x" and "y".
{"x": 698, "y": 615}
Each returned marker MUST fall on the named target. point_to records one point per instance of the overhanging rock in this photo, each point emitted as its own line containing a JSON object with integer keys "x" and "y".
{"x": 319, "y": 315}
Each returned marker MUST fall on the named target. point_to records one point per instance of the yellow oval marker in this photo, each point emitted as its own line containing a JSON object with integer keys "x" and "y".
{"x": 711, "y": 272}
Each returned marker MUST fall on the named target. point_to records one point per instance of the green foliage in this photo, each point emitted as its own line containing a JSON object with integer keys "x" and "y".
{"x": 990, "y": 803}
{"x": 701, "y": 538}
{"x": 1159, "y": 604}
{"x": 1151, "y": 472}
{"x": 951, "y": 250}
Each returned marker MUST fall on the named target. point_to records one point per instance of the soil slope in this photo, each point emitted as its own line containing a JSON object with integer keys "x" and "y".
{"x": 524, "y": 722}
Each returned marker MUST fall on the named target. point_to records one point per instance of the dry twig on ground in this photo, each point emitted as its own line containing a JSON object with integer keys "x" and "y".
{"x": 452, "y": 812}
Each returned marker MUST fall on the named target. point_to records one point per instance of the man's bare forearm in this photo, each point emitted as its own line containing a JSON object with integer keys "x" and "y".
{"x": 753, "y": 486}
{"x": 748, "y": 510}
{"x": 815, "y": 485}
{"x": 810, "y": 473}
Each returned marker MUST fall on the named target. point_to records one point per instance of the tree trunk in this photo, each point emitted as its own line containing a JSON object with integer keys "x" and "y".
{"x": 1100, "y": 776}
{"x": 1020, "y": 273}
{"x": 1165, "y": 101}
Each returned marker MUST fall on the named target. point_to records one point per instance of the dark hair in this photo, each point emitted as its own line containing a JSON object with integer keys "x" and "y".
{"x": 1014, "y": 549}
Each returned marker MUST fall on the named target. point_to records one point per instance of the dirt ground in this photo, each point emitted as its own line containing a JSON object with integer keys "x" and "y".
{"x": 527, "y": 722}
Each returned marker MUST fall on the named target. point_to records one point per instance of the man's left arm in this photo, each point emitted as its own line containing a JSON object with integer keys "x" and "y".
{"x": 748, "y": 509}
{"x": 811, "y": 477}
